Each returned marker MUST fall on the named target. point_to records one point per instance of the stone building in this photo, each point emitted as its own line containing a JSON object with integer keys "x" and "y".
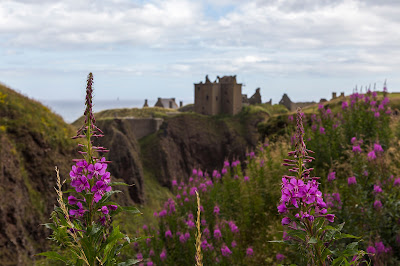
{"x": 222, "y": 97}
{"x": 255, "y": 99}
{"x": 166, "y": 103}
{"x": 292, "y": 106}
{"x": 146, "y": 104}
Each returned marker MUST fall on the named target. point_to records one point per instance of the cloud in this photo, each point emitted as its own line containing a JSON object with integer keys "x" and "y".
{"x": 269, "y": 38}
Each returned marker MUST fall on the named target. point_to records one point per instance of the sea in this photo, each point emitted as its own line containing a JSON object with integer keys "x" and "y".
{"x": 71, "y": 110}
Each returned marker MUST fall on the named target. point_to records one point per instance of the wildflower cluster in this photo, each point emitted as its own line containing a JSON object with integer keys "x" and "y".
{"x": 83, "y": 226}
{"x": 301, "y": 191}
{"x": 303, "y": 206}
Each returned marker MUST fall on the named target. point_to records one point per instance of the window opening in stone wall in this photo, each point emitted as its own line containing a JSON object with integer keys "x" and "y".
{"x": 207, "y": 97}
{"x": 216, "y": 98}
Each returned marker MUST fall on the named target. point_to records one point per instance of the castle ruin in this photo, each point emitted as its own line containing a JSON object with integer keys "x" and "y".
{"x": 292, "y": 106}
{"x": 222, "y": 97}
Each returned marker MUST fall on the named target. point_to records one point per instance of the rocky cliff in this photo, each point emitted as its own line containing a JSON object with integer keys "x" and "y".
{"x": 189, "y": 141}
{"x": 32, "y": 142}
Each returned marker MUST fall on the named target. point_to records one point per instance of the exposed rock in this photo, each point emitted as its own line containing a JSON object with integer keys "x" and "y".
{"x": 124, "y": 154}
{"x": 190, "y": 141}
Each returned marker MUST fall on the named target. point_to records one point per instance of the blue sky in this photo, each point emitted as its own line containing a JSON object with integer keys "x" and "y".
{"x": 150, "y": 49}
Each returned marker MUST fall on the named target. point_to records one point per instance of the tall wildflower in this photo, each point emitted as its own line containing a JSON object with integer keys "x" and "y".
{"x": 303, "y": 207}
{"x": 83, "y": 226}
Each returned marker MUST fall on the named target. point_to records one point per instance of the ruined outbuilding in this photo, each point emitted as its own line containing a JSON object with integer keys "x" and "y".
{"x": 223, "y": 96}
{"x": 292, "y": 106}
{"x": 255, "y": 99}
{"x": 166, "y": 103}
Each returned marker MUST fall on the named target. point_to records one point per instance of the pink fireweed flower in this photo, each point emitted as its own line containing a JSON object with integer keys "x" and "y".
{"x": 168, "y": 234}
{"x": 163, "y": 255}
{"x": 182, "y": 238}
{"x": 280, "y": 257}
{"x": 80, "y": 184}
{"x": 194, "y": 172}
{"x": 357, "y": 149}
{"x": 246, "y": 178}
{"x": 139, "y": 256}
{"x": 331, "y": 176}
{"x": 371, "y": 156}
{"x": 233, "y": 227}
{"x": 353, "y": 140}
{"x": 249, "y": 252}
{"x": 224, "y": 171}
{"x": 98, "y": 169}
{"x": 378, "y": 148}
{"x": 380, "y": 247}
{"x": 330, "y": 217}
{"x": 217, "y": 233}
{"x": 351, "y": 180}
{"x": 286, "y": 221}
{"x": 79, "y": 212}
{"x": 99, "y": 189}
{"x": 371, "y": 250}
{"x": 377, "y": 189}
{"x": 226, "y": 252}
{"x": 226, "y": 164}
{"x": 216, "y": 210}
{"x": 282, "y": 208}
{"x": 290, "y": 118}
{"x": 174, "y": 183}
{"x": 377, "y": 204}
{"x": 104, "y": 210}
{"x": 396, "y": 182}
{"x": 322, "y": 130}
{"x": 233, "y": 244}
{"x": 72, "y": 200}
{"x": 344, "y": 105}
{"x": 162, "y": 213}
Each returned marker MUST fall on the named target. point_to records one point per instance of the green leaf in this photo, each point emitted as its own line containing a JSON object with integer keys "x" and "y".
{"x": 312, "y": 240}
{"x": 54, "y": 256}
{"x": 347, "y": 236}
{"x": 131, "y": 209}
{"x": 120, "y": 184}
{"x": 129, "y": 262}
{"x": 50, "y": 226}
{"x": 276, "y": 241}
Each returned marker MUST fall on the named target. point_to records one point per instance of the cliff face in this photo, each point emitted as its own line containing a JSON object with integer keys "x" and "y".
{"x": 32, "y": 142}
{"x": 188, "y": 141}
{"x": 124, "y": 154}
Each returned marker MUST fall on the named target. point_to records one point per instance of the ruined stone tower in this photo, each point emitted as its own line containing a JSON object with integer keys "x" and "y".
{"x": 224, "y": 96}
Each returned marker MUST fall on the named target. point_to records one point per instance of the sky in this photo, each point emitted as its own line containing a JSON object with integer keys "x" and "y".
{"x": 160, "y": 48}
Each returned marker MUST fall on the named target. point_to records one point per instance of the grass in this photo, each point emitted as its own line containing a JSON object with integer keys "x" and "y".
{"x": 145, "y": 112}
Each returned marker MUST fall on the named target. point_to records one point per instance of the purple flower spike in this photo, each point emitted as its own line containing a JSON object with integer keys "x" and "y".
{"x": 249, "y": 252}
{"x": 280, "y": 257}
{"x": 330, "y": 217}
{"x": 72, "y": 200}
{"x": 377, "y": 189}
{"x": 378, "y": 148}
{"x": 371, "y": 156}
{"x": 351, "y": 180}
{"x": 226, "y": 252}
{"x": 331, "y": 176}
{"x": 377, "y": 204}
{"x": 286, "y": 221}
{"x": 80, "y": 184}
{"x": 371, "y": 250}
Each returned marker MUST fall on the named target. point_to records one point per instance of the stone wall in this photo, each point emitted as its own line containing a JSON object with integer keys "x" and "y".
{"x": 142, "y": 127}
